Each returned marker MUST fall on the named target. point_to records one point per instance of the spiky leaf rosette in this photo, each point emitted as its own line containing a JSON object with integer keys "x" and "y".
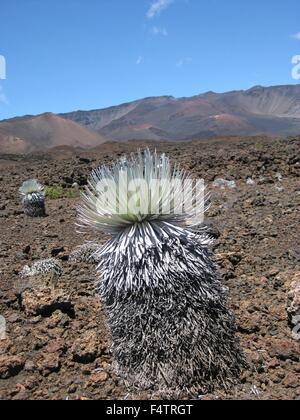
{"x": 166, "y": 308}
{"x": 142, "y": 188}
{"x": 33, "y": 198}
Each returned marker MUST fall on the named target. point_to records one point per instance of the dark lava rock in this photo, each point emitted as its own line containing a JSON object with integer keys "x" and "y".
{"x": 284, "y": 350}
{"x": 56, "y": 251}
{"x": 10, "y": 366}
{"x": 85, "y": 349}
{"x": 48, "y": 364}
{"x": 46, "y": 302}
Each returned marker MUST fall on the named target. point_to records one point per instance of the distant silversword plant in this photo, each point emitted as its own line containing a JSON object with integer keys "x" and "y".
{"x": 42, "y": 267}
{"x": 166, "y": 308}
{"x": 85, "y": 253}
{"x": 33, "y": 198}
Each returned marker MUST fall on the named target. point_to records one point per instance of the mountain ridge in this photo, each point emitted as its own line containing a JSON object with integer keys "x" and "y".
{"x": 268, "y": 111}
{"x": 256, "y": 111}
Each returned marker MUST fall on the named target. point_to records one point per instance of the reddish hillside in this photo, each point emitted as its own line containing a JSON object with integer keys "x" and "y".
{"x": 29, "y": 134}
{"x": 273, "y": 111}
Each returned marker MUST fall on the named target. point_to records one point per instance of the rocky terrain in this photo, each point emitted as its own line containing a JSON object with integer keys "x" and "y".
{"x": 56, "y": 344}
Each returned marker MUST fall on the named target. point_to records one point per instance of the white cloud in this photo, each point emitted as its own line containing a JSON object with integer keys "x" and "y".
{"x": 139, "y": 60}
{"x": 157, "y": 7}
{"x": 183, "y": 61}
{"x": 159, "y": 31}
{"x": 2, "y": 67}
{"x": 296, "y": 36}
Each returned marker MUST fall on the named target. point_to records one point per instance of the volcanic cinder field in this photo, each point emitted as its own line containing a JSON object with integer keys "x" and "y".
{"x": 56, "y": 344}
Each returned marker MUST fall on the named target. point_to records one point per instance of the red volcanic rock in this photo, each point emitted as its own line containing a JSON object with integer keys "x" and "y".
{"x": 10, "y": 366}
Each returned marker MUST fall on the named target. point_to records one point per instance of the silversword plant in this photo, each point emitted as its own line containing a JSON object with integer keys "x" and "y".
{"x": 166, "y": 307}
{"x": 33, "y": 198}
{"x": 42, "y": 268}
{"x": 86, "y": 253}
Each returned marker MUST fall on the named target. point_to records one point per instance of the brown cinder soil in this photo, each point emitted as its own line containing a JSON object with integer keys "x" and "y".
{"x": 57, "y": 346}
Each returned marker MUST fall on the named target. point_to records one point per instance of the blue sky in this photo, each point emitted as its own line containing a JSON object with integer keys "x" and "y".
{"x": 86, "y": 54}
